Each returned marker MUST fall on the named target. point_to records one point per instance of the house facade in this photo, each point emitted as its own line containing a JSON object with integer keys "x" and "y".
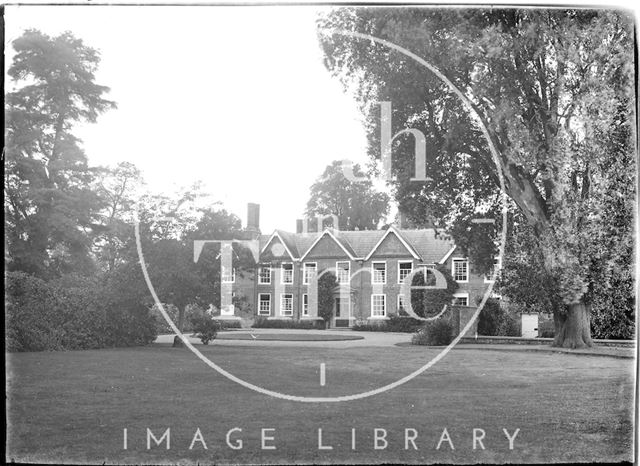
{"x": 370, "y": 267}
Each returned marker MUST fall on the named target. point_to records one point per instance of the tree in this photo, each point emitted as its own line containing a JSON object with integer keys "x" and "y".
{"x": 50, "y": 209}
{"x": 554, "y": 90}
{"x": 118, "y": 188}
{"x": 327, "y": 283}
{"x": 357, "y": 204}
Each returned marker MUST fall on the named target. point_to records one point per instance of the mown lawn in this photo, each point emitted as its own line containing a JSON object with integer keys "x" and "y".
{"x": 72, "y": 407}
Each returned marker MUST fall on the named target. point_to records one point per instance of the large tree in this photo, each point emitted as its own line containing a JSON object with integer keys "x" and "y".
{"x": 50, "y": 209}
{"x": 357, "y": 204}
{"x": 554, "y": 89}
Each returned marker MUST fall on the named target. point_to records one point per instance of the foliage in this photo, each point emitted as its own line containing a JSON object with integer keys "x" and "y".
{"x": 327, "y": 282}
{"x": 50, "y": 208}
{"x": 263, "y": 322}
{"x": 393, "y": 324}
{"x": 429, "y": 302}
{"x": 554, "y": 91}
{"x": 438, "y": 332}
{"x": 73, "y": 313}
{"x": 205, "y": 327}
{"x": 357, "y": 204}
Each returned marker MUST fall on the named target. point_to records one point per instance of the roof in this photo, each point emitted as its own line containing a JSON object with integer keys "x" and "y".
{"x": 430, "y": 248}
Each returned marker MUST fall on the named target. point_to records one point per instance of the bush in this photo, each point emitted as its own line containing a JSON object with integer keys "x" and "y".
{"x": 491, "y": 318}
{"x": 510, "y": 327}
{"x": 263, "y": 322}
{"x": 71, "y": 313}
{"x": 227, "y": 324}
{"x": 205, "y": 328}
{"x": 434, "y": 333}
{"x": 394, "y": 324}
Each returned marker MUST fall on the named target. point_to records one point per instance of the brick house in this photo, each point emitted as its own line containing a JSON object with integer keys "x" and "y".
{"x": 369, "y": 266}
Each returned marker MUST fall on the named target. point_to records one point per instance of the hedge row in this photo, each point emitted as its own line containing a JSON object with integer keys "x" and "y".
{"x": 393, "y": 324}
{"x": 49, "y": 316}
{"x": 263, "y": 322}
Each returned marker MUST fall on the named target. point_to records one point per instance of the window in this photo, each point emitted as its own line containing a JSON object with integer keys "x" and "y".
{"x": 460, "y": 270}
{"x": 228, "y": 275}
{"x": 305, "y": 304}
{"x": 264, "y": 275}
{"x": 378, "y": 305}
{"x": 287, "y": 273}
{"x": 404, "y": 269}
{"x": 379, "y": 272}
{"x": 286, "y": 304}
{"x": 460, "y": 299}
{"x": 264, "y": 304}
{"x": 343, "y": 271}
{"x": 309, "y": 271}
{"x": 488, "y": 278}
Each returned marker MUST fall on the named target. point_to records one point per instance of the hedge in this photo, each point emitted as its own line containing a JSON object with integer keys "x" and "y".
{"x": 263, "y": 322}
{"x": 50, "y": 316}
{"x": 393, "y": 324}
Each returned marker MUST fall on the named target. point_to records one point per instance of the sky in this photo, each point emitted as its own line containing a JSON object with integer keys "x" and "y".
{"x": 237, "y": 97}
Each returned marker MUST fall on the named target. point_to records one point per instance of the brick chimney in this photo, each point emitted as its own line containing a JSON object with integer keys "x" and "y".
{"x": 253, "y": 219}
{"x": 299, "y": 225}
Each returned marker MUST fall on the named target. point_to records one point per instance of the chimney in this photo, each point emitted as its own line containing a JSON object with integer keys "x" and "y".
{"x": 253, "y": 219}
{"x": 299, "y": 225}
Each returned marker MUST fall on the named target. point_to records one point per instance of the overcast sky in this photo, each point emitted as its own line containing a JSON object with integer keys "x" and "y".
{"x": 235, "y": 96}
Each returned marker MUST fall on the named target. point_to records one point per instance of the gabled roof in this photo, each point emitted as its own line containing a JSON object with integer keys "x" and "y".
{"x": 361, "y": 245}
{"x": 278, "y": 234}
{"x": 389, "y": 231}
{"x": 329, "y": 233}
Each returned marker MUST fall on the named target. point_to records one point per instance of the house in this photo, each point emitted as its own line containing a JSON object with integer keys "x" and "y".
{"x": 369, "y": 265}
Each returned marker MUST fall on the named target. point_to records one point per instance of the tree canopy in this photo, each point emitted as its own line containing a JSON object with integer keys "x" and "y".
{"x": 553, "y": 87}
{"x": 357, "y": 204}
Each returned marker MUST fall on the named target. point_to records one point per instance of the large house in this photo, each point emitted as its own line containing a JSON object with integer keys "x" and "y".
{"x": 369, "y": 266}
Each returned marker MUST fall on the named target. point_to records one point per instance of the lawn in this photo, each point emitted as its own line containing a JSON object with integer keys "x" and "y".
{"x": 73, "y": 406}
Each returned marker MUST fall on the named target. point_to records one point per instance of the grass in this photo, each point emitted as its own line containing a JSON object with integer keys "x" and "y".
{"x": 72, "y": 407}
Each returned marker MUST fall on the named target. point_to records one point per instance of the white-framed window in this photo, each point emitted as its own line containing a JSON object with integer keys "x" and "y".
{"x": 309, "y": 270}
{"x": 264, "y": 304}
{"x": 404, "y": 269}
{"x": 305, "y": 304}
{"x": 286, "y": 304}
{"x": 264, "y": 275}
{"x": 379, "y": 272}
{"x": 343, "y": 271}
{"x": 287, "y": 273}
{"x": 378, "y": 305}
{"x": 460, "y": 299}
{"x": 460, "y": 270}
{"x": 488, "y": 278}
{"x": 228, "y": 275}
{"x": 400, "y": 304}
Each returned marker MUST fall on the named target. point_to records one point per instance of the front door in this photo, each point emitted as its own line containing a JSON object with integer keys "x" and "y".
{"x": 341, "y": 313}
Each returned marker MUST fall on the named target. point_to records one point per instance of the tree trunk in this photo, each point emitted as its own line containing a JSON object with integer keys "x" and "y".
{"x": 573, "y": 329}
{"x": 177, "y": 341}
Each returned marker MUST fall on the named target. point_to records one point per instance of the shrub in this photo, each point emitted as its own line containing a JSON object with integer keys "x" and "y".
{"x": 510, "y": 327}
{"x": 491, "y": 318}
{"x": 434, "y": 333}
{"x": 394, "y": 324}
{"x": 205, "y": 328}
{"x": 71, "y": 313}
{"x": 263, "y": 322}
{"x": 227, "y": 324}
